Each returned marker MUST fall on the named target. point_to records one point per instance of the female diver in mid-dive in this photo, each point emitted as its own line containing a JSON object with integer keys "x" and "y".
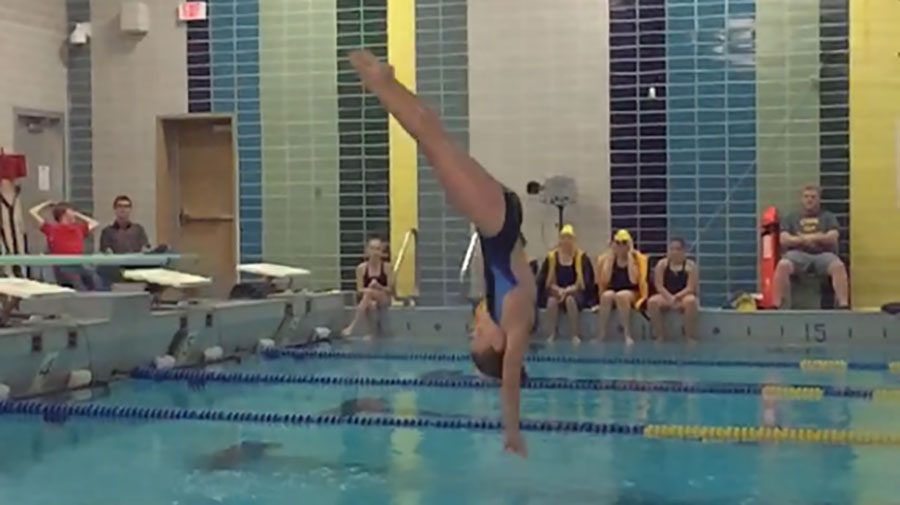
{"x": 504, "y": 321}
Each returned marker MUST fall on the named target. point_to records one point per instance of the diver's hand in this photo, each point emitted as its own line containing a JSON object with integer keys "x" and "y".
{"x": 514, "y": 443}
{"x": 371, "y": 70}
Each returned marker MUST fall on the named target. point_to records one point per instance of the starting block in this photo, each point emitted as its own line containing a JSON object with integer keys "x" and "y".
{"x": 160, "y": 279}
{"x": 13, "y": 290}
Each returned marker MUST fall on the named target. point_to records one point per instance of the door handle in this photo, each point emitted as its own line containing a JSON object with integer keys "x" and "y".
{"x": 184, "y": 217}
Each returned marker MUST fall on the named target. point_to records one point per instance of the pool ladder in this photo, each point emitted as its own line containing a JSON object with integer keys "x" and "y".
{"x": 410, "y": 240}
{"x": 470, "y": 272}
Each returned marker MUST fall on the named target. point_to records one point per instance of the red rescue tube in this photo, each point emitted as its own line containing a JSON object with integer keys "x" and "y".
{"x": 768, "y": 260}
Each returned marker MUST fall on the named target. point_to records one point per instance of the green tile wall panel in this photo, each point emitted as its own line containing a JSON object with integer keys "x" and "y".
{"x": 787, "y": 98}
{"x": 363, "y": 136}
{"x": 300, "y": 136}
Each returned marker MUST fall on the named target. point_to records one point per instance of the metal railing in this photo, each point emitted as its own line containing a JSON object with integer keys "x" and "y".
{"x": 409, "y": 239}
{"x": 471, "y": 267}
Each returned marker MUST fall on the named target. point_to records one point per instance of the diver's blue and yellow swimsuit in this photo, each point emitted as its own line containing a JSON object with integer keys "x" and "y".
{"x": 496, "y": 251}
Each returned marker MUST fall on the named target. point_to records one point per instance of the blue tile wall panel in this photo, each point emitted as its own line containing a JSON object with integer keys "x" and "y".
{"x": 834, "y": 112}
{"x": 638, "y": 121}
{"x": 233, "y": 45}
{"x": 712, "y": 140}
{"x": 80, "y": 142}
{"x": 442, "y": 80}
{"x": 198, "y": 67}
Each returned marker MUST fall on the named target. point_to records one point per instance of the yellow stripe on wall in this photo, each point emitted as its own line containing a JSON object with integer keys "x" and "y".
{"x": 404, "y": 181}
{"x": 874, "y": 156}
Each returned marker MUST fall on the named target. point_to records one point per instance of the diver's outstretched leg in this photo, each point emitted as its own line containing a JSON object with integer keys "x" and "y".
{"x": 469, "y": 188}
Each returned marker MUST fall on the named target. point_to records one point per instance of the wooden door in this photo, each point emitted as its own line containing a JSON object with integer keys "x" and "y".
{"x": 199, "y": 168}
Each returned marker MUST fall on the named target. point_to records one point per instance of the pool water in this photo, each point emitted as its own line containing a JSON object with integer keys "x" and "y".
{"x": 89, "y": 461}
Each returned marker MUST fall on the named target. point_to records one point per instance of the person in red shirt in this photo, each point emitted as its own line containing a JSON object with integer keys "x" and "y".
{"x": 66, "y": 235}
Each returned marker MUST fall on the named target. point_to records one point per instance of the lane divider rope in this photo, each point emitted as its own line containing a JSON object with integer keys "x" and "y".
{"x": 757, "y": 434}
{"x": 60, "y": 413}
{"x": 824, "y": 365}
{"x": 198, "y": 378}
{"x": 806, "y": 393}
{"x": 807, "y": 365}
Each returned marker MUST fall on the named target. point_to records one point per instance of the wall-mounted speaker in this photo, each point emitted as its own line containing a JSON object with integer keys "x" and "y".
{"x": 134, "y": 18}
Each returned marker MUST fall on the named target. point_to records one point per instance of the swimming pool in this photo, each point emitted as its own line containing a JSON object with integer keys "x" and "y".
{"x": 96, "y": 461}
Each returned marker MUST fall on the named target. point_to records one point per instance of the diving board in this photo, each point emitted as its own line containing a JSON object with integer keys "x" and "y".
{"x": 273, "y": 274}
{"x": 166, "y": 278}
{"x": 272, "y": 270}
{"x": 15, "y": 287}
{"x": 158, "y": 280}
{"x": 124, "y": 260}
{"x": 13, "y": 290}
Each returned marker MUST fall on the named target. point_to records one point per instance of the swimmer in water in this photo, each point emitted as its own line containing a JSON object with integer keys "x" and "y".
{"x": 259, "y": 456}
{"x": 373, "y": 405}
{"x": 505, "y": 319}
{"x": 445, "y": 374}
{"x": 237, "y": 455}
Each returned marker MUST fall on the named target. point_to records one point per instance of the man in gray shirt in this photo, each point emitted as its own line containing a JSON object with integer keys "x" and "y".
{"x": 809, "y": 241}
{"x": 123, "y": 236}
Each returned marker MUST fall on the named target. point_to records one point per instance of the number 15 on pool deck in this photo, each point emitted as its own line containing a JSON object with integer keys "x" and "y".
{"x": 816, "y": 332}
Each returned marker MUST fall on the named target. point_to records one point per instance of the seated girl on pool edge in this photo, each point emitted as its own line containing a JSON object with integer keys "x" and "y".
{"x": 503, "y": 327}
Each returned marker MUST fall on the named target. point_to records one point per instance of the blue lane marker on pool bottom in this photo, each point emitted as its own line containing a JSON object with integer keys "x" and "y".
{"x": 552, "y": 358}
{"x": 196, "y": 379}
{"x": 60, "y": 412}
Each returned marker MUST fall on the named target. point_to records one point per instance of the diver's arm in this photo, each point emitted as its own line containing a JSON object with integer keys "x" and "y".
{"x": 511, "y": 390}
{"x": 517, "y": 326}
{"x": 470, "y": 189}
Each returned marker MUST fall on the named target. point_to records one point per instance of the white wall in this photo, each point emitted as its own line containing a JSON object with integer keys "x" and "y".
{"x": 33, "y": 73}
{"x": 135, "y": 79}
{"x": 539, "y": 106}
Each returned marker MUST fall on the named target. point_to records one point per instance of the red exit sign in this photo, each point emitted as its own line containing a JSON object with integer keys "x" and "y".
{"x": 192, "y": 11}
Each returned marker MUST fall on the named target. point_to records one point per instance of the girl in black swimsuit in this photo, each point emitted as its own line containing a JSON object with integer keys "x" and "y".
{"x": 373, "y": 289}
{"x": 619, "y": 284}
{"x": 675, "y": 278}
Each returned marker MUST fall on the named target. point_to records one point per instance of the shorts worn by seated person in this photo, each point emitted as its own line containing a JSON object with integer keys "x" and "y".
{"x": 567, "y": 275}
{"x": 815, "y": 259}
{"x": 619, "y": 279}
{"x": 499, "y": 278}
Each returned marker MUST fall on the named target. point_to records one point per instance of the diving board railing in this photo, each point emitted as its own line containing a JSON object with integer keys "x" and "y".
{"x": 122, "y": 260}
{"x": 410, "y": 239}
{"x": 468, "y": 269}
